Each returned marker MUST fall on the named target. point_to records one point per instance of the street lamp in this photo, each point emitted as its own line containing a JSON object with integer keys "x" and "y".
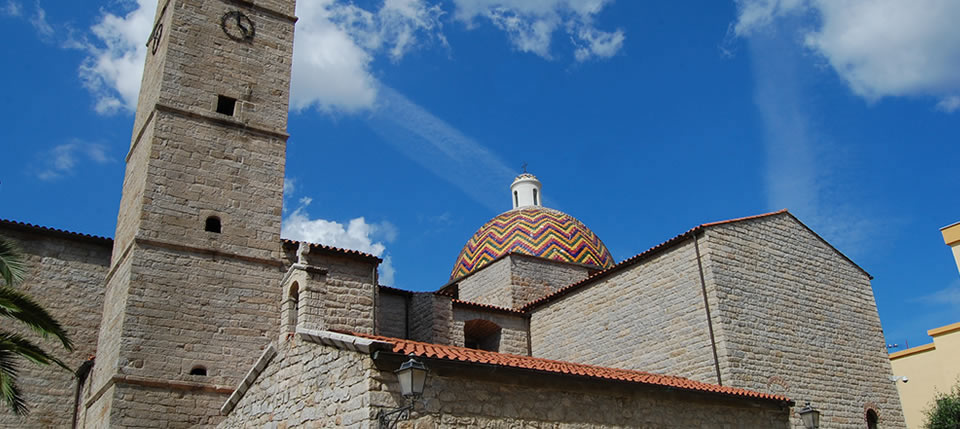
{"x": 412, "y": 376}
{"x": 810, "y": 416}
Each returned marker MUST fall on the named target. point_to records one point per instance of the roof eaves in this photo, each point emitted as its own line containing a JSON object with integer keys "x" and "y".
{"x": 529, "y": 363}
{"x": 333, "y": 250}
{"x": 480, "y": 306}
{"x": 23, "y": 226}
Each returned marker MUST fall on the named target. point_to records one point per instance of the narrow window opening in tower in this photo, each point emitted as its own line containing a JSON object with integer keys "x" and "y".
{"x": 212, "y": 224}
{"x": 873, "y": 420}
{"x": 226, "y": 105}
{"x": 535, "y": 202}
{"x": 198, "y": 370}
{"x": 516, "y": 199}
{"x": 294, "y": 304}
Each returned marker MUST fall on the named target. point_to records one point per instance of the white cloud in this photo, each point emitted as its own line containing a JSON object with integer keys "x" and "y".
{"x": 881, "y": 48}
{"x": 530, "y": 25}
{"x": 114, "y": 64}
{"x": 357, "y": 234}
{"x": 335, "y": 43}
{"x": 62, "y": 160}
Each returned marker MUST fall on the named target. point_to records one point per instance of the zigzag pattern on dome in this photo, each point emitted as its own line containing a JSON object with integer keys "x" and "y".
{"x": 538, "y": 232}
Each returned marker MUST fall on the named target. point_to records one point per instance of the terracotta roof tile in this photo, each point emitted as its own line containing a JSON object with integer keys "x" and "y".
{"x": 62, "y": 232}
{"x": 460, "y": 354}
{"x": 331, "y": 249}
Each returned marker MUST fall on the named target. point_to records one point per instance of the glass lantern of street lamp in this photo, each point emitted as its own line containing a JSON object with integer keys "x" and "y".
{"x": 809, "y": 416}
{"x": 412, "y": 375}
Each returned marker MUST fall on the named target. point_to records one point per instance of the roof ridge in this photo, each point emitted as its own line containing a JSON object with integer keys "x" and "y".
{"x": 639, "y": 256}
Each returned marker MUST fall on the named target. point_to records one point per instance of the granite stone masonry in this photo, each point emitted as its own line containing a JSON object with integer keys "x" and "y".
{"x": 516, "y": 279}
{"x": 647, "y": 317}
{"x": 795, "y": 317}
{"x": 317, "y": 385}
{"x": 65, "y": 275}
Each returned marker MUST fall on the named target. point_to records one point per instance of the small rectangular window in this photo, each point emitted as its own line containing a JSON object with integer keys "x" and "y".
{"x": 226, "y": 105}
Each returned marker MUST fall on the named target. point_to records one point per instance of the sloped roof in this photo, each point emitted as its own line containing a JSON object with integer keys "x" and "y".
{"x": 331, "y": 249}
{"x": 461, "y": 354}
{"x": 667, "y": 245}
{"x": 54, "y": 231}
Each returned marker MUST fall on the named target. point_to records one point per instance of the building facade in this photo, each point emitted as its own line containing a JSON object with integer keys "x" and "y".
{"x": 201, "y": 315}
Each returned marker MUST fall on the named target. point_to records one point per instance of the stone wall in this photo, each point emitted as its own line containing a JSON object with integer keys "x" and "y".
{"x": 489, "y": 285}
{"x": 794, "y": 317}
{"x": 430, "y": 318}
{"x": 392, "y": 313}
{"x": 647, "y": 317}
{"x": 532, "y": 277}
{"x": 513, "y": 328}
{"x": 494, "y": 400}
{"x": 311, "y": 385}
{"x": 516, "y": 279}
{"x": 65, "y": 274}
{"x": 308, "y": 385}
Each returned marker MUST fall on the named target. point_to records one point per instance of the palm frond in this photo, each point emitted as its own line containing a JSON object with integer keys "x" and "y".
{"x": 18, "y": 306}
{"x": 20, "y": 346}
{"x": 12, "y": 266}
{"x": 9, "y": 391}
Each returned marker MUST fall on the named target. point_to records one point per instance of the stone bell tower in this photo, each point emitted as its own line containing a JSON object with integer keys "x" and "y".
{"x": 190, "y": 295}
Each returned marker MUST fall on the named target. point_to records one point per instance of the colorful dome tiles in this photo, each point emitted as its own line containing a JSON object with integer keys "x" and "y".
{"x": 535, "y": 231}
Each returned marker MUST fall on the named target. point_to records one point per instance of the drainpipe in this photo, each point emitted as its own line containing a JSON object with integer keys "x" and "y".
{"x": 706, "y": 306}
{"x": 82, "y": 372}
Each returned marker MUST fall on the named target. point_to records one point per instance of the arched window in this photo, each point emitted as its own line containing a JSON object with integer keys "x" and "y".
{"x": 535, "y": 198}
{"x": 293, "y": 306}
{"x": 212, "y": 224}
{"x": 873, "y": 420}
{"x": 516, "y": 200}
{"x": 481, "y": 335}
{"x": 198, "y": 370}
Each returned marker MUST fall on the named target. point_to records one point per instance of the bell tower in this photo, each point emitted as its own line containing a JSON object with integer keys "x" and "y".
{"x": 191, "y": 293}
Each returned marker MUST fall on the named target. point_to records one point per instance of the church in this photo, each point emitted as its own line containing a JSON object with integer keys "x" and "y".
{"x": 197, "y": 314}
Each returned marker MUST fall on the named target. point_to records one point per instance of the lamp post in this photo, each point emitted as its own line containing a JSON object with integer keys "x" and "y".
{"x": 809, "y": 416}
{"x": 412, "y": 376}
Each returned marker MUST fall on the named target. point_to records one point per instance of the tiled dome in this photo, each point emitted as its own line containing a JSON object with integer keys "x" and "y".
{"x": 535, "y": 231}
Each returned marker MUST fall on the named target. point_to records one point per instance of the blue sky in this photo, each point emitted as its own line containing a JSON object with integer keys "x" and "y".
{"x": 409, "y": 119}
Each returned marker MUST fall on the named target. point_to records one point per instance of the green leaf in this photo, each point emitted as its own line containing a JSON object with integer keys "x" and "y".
{"x": 18, "y": 306}
{"x": 12, "y": 266}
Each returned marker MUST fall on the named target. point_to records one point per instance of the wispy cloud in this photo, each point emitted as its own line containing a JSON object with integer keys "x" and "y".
{"x": 440, "y": 148}
{"x": 531, "y": 25}
{"x": 880, "y": 48}
{"x": 949, "y": 104}
{"x": 39, "y": 22}
{"x": 356, "y": 234}
{"x": 62, "y": 160}
{"x": 801, "y": 161}
{"x": 948, "y": 297}
{"x": 11, "y": 8}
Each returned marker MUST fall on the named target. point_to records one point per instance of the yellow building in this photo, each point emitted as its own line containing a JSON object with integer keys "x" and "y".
{"x": 928, "y": 369}
{"x": 951, "y": 236}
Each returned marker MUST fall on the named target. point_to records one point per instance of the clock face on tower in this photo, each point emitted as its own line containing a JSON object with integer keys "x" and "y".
{"x": 238, "y": 26}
